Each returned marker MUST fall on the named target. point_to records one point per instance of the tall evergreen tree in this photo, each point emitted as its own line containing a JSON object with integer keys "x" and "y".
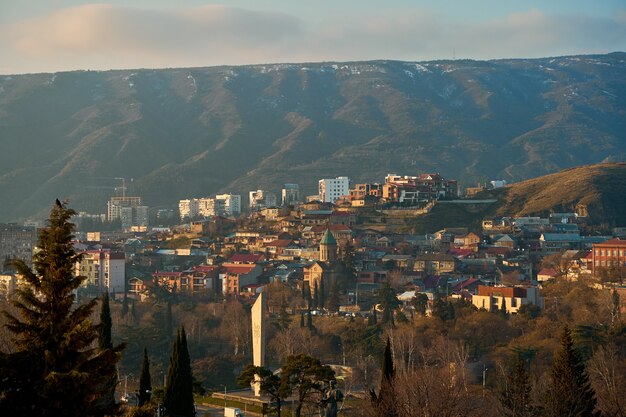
{"x": 570, "y": 393}
{"x": 384, "y": 403}
{"x": 515, "y": 393}
{"x": 145, "y": 383}
{"x": 316, "y": 296}
{"x": 168, "y": 326}
{"x": 309, "y": 319}
{"x": 301, "y": 320}
{"x": 56, "y": 368}
{"x": 105, "y": 342}
{"x": 322, "y": 297}
{"x": 373, "y": 319}
{"x": 124, "y": 306}
{"x": 178, "y": 399}
{"x": 332, "y": 304}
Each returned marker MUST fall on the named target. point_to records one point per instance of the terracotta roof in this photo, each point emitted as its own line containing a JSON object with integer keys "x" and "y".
{"x": 246, "y": 258}
{"x": 238, "y": 268}
{"x": 281, "y": 243}
{"x": 612, "y": 242}
{"x": 548, "y": 271}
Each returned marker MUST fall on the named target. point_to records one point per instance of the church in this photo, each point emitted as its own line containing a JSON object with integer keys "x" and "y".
{"x": 327, "y": 269}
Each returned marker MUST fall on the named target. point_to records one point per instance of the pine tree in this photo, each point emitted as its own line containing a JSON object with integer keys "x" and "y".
{"x": 56, "y": 368}
{"x": 178, "y": 399}
{"x": 570, "y": 393}
{"x": 145, "y": 384}
{"x": 384, "y": 403}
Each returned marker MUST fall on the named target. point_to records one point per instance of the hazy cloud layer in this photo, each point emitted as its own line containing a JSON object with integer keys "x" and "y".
{"x": 100, "y": 36}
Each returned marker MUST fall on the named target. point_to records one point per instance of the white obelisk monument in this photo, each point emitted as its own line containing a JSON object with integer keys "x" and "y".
{"x": 259, "y": 330}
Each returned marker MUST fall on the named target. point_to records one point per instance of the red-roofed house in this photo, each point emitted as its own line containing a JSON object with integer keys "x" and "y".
{"x": 246, "y": 258}
{"x": 546, "y": 274}
{"x": 236, "y": 276}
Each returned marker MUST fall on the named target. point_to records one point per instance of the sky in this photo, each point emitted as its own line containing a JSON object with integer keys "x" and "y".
{"x": 62, "y": 35}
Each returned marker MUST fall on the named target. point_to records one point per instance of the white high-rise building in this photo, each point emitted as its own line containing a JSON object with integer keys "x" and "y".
{"x": 231, "y": 203}
{"x": 104, "y": 270}
{"x": 188, "y": 208}
{"x": 331, "y": 189}
{"x": 134, "y": 217}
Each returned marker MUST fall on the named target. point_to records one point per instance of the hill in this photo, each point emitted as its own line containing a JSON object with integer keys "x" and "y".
{"x": 597, "y": 189}
{"x": 181, "y": 133}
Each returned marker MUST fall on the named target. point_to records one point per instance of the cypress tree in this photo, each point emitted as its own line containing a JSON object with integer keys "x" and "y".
{"x": 145, "y": 384}
{"x": 309, "y": 320}
{"x": 322, "y": 297}
{"x": 570, "y": 393}
{"x": 316, "y": 296}
{"x": 56, "y": 369}
{"x": 503, "y": 311}
{"x": 384, "y": 402}
{"x": 168, "y": 324}
{"x": 301, "y": 320}
{"x": 124, "y": 306}
{"x": 107, "y": 401}
{"x": 333, "y": 297}
{"x": 178, "y": 399}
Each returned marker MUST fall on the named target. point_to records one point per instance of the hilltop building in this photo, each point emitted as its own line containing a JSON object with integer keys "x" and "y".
{"x": 17, "y": 242}
{"x": 129, "y": 211}
{"x": 332, "y": 189}
{"x": 260, "y": 199}
{"x": 221, "y": 205}
{"x": 104, "y": 270}
{"x": 290, "y": 194}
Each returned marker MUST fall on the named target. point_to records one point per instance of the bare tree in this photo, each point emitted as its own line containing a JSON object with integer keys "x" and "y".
{"x": 608, "y": 376}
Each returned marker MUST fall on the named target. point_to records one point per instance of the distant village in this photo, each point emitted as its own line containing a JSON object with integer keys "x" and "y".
{"x": 336, "y": 248}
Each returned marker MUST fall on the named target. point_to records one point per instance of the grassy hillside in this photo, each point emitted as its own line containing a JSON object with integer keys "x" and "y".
{"x": 600, "y": 187}
{"x": 181, "y": 133}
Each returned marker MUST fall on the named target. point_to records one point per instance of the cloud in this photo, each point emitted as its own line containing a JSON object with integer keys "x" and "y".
{"x": 106, "y": 36}
{"x": 102, "y": 36}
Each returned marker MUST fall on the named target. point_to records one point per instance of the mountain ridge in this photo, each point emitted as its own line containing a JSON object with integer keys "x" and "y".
{"x": 194, "y": 132}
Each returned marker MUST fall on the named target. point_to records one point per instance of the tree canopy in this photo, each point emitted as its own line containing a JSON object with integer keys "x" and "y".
{"x": 56, "y": 369}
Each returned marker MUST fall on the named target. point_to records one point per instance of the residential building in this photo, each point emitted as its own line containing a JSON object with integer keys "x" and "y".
{"x": 558, "y": 242}
{"x": 104, "y": 270}
{"x": 235, "y": 276}
{"x": 231, "y": 204}
{"x": 134, "y": 218}
{"x": 188, "y": 208}
{"x": 434, "y": 263}
{"x": 260, "y": 199}
{"x": 610, "y": 254}
{"x": 492, "y": 298}
{"x": 115, "y": 205}
{"x": 331, "y": 189}
{"x": 290, "y": 194}
{"x": 16, "y": 242}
